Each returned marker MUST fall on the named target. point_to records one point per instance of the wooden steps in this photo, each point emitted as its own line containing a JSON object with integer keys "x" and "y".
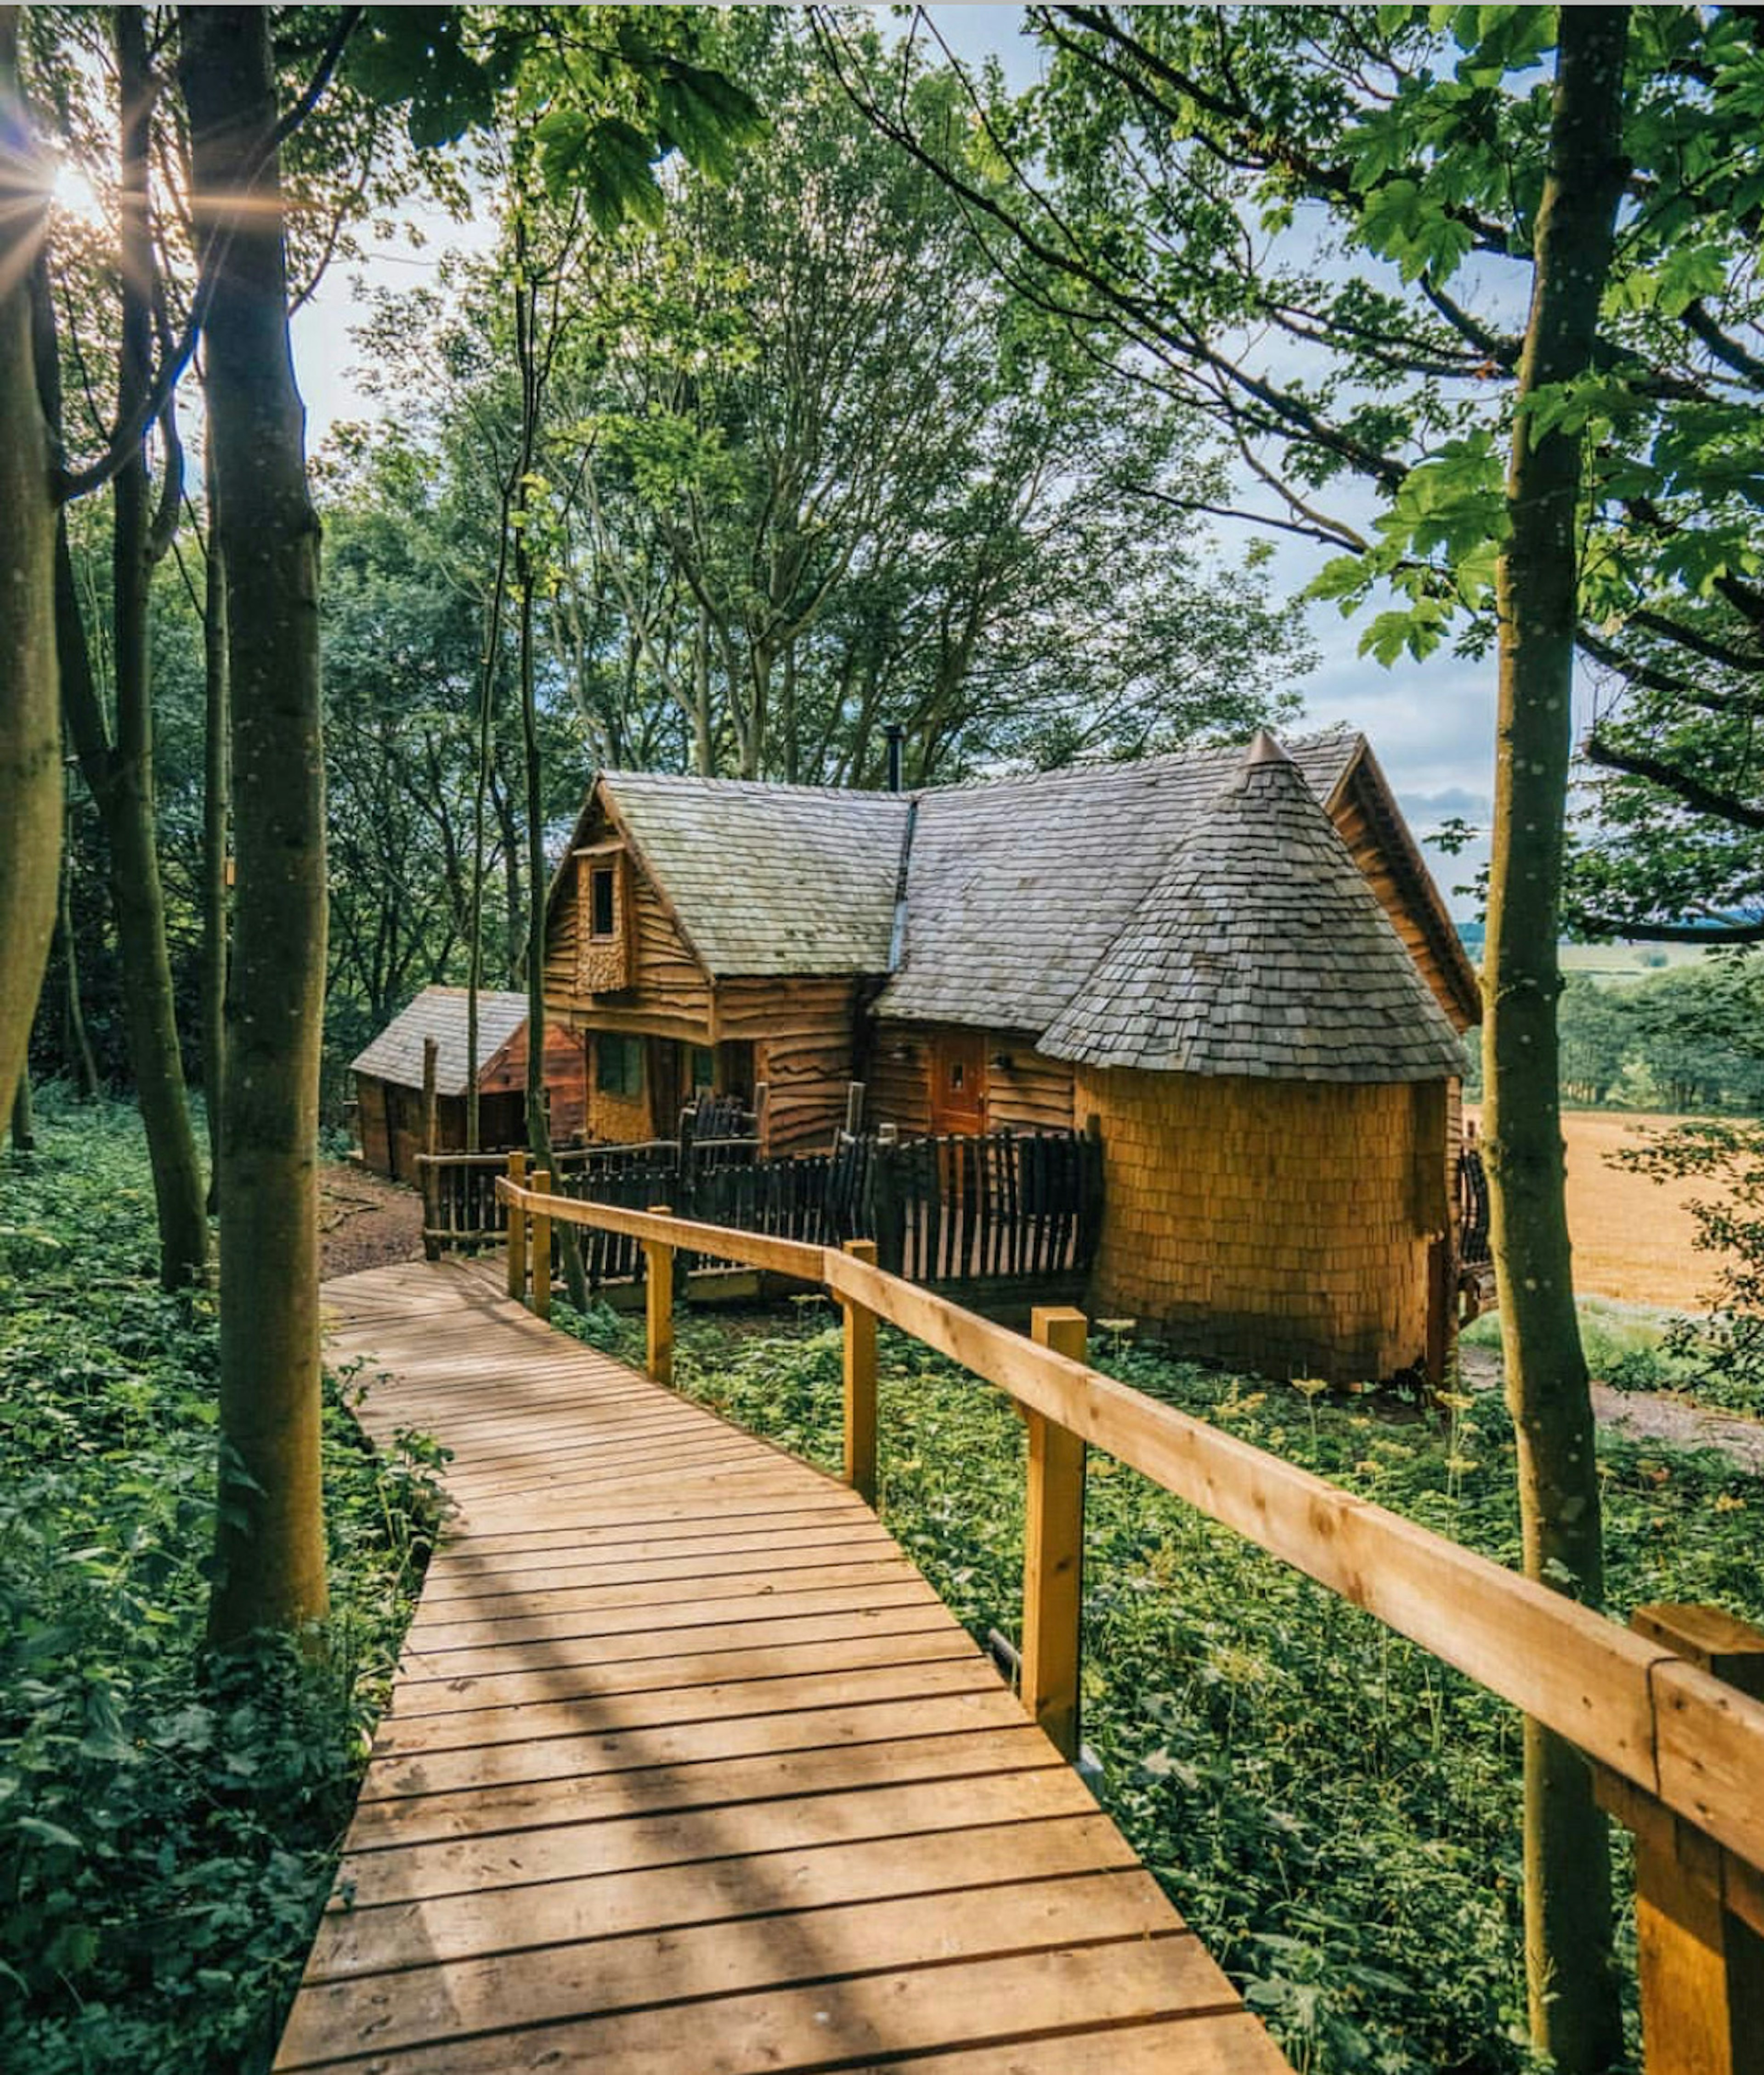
{"x": 688, "y": 1771}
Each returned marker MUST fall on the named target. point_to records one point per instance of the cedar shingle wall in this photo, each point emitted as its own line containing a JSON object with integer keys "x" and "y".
{"x": 1280, "y": 1226}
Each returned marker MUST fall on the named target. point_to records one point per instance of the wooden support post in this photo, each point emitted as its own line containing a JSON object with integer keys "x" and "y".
{"x": 431, "y": 1194}
{"x": 658, "y": 1272}
{"x": 1700, "y": 1960}
{"x": 1054, "y": 1549}
{"x": 517, "y": 1232}
{"x": 541, "y": 1186}
{"x": 860, "y": 1386}
{"x": 854, "y": 1109}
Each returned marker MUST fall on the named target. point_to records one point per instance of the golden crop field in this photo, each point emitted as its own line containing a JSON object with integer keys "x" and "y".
{"x": 1632, "y": 1236}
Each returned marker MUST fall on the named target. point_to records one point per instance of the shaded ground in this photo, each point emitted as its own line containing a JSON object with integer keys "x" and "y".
{"x": 1646, "y": 1415}
{"x": 365, "y": 1221}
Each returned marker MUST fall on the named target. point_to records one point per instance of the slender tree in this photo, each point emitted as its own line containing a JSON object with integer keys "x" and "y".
{"x": 29, "y": 736}
{"x": 119, "y": 772}
{"x": 270, "y": 1543}
{"x": 1575, "y": 2014}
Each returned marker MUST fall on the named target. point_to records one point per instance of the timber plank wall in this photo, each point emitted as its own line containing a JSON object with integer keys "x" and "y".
{"x": 688, "y": 1771}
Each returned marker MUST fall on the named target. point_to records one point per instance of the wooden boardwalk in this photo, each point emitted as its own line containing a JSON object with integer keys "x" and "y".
{"x": 689, "y": 1771}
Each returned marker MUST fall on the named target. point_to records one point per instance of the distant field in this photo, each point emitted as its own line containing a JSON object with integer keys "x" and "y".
{"x": 1632, "y": 1236}
{"x": 1623, "y": 962}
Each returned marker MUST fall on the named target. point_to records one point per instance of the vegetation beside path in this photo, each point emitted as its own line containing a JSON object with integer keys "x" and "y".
{"x": 168, "y": 1826}
{"x": 1337, "y": 1815}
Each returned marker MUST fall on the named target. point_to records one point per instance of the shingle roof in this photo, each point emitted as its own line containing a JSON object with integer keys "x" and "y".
{"x": 770, "y": 879}
{"x": 1017, "y": 886}
{"x": 1262, "y": 950}
{"x": 439, "y": 1012}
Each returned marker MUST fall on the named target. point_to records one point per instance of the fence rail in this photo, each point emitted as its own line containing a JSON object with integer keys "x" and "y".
{"x": 1681, "y": 1749}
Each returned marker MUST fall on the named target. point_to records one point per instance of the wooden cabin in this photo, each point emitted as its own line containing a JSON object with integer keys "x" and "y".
{"x": 724, "y": 933}
{"x": 389, "y": 1079}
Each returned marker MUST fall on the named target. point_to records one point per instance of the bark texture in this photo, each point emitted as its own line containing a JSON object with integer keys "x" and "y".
{"x": 1575, "y": 2010}
{"x": 270, "y": 1541}
{"x": 217, "y": 806}
{"x": 30, "y": 729}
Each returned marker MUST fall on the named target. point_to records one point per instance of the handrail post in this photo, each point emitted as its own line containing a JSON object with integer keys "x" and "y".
{"x": 860, "y": 1384}
{"x": 541, "y": 1186}
{"x": 517, "y": 1230}
{"x": 658, "y": 1276}
{"x": 428, "y": 1187}
{"x": 1700, "y": 1962}
{"x": 1053, "y": 1548}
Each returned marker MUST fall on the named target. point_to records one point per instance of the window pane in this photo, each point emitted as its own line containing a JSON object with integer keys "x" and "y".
{"x": 619, "y": 1064}
{"x": 704, "y": 1067}
{"x": 601, "y": 922}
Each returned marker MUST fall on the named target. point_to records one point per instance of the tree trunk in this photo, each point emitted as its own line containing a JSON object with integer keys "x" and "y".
{"x": 76, "y": 1045}
{"x": 270, "y": 1538}
{"x": 216, "y": 788}
{"x": 493, "y": 637}
{"x": 119, "y": 776}
{"x": 30, "y": 731}
{"x": 538, "y": 1116}
{"x": 24, "y": 1125}
{"x": 1574, "y": 2011}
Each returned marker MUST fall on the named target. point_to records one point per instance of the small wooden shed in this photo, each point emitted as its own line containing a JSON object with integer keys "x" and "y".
{"x": 1276, "y": 1085}
{"x": 389, "y": 1078}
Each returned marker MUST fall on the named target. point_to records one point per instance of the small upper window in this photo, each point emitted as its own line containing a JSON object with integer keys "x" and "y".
{"x": 602, "y": 907}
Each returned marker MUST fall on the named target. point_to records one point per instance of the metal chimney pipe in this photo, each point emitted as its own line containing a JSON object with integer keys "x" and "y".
{"x": 896, "y": 735}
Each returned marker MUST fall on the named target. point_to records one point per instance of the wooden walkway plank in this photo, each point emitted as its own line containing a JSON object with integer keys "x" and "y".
{"x": 687, "y": 1772}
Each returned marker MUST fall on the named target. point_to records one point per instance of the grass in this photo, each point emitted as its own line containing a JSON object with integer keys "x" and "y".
{"x": 1335, "y": 1814}
{"x": 168, "y": 1824}
{"x": 1626, "y": 1344}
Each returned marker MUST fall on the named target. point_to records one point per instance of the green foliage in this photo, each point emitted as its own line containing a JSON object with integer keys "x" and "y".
{"x": 1721, "y": 1356}
{"x": 167, "y": 1825}
{"x": 1331, "y": 1809}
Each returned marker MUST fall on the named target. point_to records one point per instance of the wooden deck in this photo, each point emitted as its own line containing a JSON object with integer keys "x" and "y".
{"x": 689, "y": 1771}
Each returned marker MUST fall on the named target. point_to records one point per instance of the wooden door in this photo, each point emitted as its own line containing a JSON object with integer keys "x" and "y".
{"x": 959, "y": 1081}
{"x": 667, "y": 1090}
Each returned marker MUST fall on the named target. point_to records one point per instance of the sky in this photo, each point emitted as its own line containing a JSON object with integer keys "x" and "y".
{"x": 1431, "y": 725}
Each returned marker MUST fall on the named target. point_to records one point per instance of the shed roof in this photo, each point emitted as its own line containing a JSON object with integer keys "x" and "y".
{"x": 1262, "y": 950}
{"x": 439, "y": 1012}
{"x": 768, "y": 879}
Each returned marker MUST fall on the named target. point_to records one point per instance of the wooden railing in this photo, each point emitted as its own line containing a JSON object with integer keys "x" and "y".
{"x": 1663, "y": 1709}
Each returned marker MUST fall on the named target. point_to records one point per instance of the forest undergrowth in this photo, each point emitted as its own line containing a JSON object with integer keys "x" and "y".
{"x": 1335, "y": 1813}
{"x": 168, "y": 1822}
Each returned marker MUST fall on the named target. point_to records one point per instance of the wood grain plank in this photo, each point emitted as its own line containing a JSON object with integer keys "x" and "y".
{"x": 564, "y": 1979}
{"x": 861, "y": 2022}
{"x": 581, "y": 1756}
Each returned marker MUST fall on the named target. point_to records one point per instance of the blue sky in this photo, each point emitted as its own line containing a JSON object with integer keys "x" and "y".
{"x": 1431, "y": 725}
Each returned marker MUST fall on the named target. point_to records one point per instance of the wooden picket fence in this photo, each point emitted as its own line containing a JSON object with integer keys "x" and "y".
{"x": 1662, "y": 1711}
{"x": 1006, "y": 1209}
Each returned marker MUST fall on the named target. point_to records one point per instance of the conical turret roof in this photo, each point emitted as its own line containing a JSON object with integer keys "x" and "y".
{"x": 1262, "y": 950}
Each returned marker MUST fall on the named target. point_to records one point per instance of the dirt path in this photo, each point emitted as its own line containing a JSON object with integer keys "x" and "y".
{"x": 1647, "y": 1415}
{"x": 365, "y": 1221}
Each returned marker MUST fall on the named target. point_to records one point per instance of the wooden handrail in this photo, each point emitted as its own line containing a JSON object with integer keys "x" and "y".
{"x": 1642, "y": 1710}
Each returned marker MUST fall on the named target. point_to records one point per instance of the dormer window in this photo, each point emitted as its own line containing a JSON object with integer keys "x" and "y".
{"x": 603, "y": 900}
{"x": 603, "y": 930}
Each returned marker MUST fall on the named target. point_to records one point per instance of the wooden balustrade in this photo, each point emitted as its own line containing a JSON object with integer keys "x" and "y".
{"x": 1665, "y": 1710}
